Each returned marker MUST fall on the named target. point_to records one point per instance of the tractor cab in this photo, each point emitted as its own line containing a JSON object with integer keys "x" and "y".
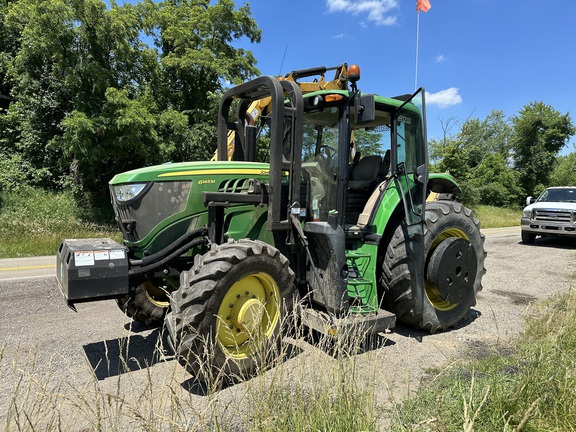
{"x": 349, "y": 157}
{"x": 343, "y": 143}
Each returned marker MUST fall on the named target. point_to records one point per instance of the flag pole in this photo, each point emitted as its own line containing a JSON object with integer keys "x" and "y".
{"x": 417, "y": 42}
{"x": 421, "y": 5}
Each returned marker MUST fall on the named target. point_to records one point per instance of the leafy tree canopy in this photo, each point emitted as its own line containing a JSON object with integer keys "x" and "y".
{"x": 94, "y": 99}
{"x": 540, "y": 132}
{"x": 564, "y": 173}
{"x": 499, "y": 160}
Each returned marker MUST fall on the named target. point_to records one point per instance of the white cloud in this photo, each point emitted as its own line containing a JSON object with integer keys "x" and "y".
{"x": 440, "y": 58}
{"x": 376, "y": 11}
{"x": 444, "y": 98}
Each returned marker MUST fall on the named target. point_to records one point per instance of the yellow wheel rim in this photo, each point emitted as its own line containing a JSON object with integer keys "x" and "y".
{"x": 248, "y": 315}
{"x": 432, "y": 292}
{"x": 156, "y": 295}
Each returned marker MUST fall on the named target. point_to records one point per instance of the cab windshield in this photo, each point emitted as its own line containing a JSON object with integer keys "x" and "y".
{"x": 323, "y": 130}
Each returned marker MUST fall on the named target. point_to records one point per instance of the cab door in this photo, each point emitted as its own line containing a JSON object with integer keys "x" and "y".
{"x": 410, "y": 156}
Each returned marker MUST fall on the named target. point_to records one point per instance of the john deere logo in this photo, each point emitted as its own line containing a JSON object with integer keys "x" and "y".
{"x": 206, "y": 181}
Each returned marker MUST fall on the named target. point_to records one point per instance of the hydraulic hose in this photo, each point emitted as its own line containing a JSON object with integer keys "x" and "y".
{"x": 186, "y": 238}
{"x": 158, "y": 264}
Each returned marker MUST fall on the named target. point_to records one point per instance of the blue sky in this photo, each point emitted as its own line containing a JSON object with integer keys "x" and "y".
{"x": 474, "y": 56}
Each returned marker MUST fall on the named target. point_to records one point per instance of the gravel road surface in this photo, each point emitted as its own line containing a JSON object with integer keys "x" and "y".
{"x": 62, "y": 369}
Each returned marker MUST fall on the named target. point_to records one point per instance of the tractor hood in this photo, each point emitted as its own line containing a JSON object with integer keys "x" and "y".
{"x": 185, "y": 170}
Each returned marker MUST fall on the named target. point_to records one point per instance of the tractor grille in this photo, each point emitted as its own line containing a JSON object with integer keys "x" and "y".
{"x": 234, "y": 185}
{"x": 565, "y": 216}
{"x": 160, "y": 201}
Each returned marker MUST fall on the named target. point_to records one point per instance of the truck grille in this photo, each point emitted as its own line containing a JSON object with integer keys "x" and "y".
{"x": 554, "y": 215}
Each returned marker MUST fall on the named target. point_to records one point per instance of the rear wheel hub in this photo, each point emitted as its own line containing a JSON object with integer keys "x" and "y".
{"x": 452, "y": 269}
{"x": 248, "y": 315}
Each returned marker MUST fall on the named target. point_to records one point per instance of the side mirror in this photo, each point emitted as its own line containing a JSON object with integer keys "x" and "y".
{"x": 530, "y": 200}
{"x": 421, "y": 174}
{"x": 364, "y": 108}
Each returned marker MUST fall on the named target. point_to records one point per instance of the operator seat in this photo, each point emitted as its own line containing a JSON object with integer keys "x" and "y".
{"x": 365, "y": 176}
{"x": 364, "y": 172}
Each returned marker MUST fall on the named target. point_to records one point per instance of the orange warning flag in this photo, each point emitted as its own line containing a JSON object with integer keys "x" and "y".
{"x": 423, "y": 5}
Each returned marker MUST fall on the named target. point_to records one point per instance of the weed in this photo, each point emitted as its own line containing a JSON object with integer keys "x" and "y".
{"x": 530, "y": 390}
{"x": 496, "y": 217}
{"x": 33, "y": 222}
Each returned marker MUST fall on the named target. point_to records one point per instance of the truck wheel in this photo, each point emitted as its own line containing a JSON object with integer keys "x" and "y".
{"x": 226, "y": 317}
{"x": 528, "y": 238}
{"x": 454, "y": 266}
{"x": 148, "y": 305}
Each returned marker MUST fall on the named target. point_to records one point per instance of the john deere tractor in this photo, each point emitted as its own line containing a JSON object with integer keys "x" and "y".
{"x": 321, "y": 204}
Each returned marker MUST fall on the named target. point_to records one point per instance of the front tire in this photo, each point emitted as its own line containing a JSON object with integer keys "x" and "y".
{"x": 453, "y": 268}
{"x": 148, "y": 305}
{"x": 528, "y": 238}
{"x": 227, "y": 315}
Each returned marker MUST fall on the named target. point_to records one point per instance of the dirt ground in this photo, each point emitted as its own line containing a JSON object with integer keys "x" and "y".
{"x": 65, "y": 370}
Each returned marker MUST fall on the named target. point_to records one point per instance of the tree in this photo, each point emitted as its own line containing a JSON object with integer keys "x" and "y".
{"x": 477, "y": 139}
{"x": 8, "y": 47}
{"x": 195, "y": 51}
{"x": 370, "y": 142}
{"x": 540, "y": 132}
{"x": 453, "y": 158}
{"x": 195, "y": 60}
{"x": 564, "y": 173}
{"x": 496, "y": 183}
{"x": 476, "y": 156}
{"x": 40, "y": 45}
{"x": 482, "y": 138}
{"x": 94, "y": 99}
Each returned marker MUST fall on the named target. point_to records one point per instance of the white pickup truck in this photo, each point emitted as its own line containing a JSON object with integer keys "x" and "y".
{"x": 552, "y": 214}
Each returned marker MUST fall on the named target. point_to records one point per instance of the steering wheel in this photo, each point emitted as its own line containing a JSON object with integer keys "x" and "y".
{"x": 327, "y": 152}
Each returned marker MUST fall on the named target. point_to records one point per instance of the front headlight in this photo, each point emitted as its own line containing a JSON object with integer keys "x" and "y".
{"x": 127, "y": 192}
{"x": 527, "y": 213}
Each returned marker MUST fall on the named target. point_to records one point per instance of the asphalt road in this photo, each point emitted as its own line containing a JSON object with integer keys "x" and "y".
{"x": 13, "y": 269}
{"x": 87, "y": 371}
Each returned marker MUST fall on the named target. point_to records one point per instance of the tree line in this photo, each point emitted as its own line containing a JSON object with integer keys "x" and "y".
{"x": 499, "y": 161}
{"x": 88, "y": 90}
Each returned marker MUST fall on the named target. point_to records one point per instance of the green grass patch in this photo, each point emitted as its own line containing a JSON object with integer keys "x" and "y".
{"x": 33, "y": 222}
{"x": 497, "y": 217}
{"x": 533, "y": 388}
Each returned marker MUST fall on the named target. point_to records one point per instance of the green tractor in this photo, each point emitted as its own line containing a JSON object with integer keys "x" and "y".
{"x": 326, "y": 208}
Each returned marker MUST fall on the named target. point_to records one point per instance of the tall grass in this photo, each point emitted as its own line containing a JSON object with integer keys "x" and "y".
{"x": 497, "y": 217}
{"x": 324, "y": 389}
{"x": 531, "y": 388}
{"x": 33, "y": 222}
{"x": 318, "y": 387}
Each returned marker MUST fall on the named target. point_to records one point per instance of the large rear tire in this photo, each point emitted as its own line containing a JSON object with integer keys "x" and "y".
{"x": 454, "y": 266}
{"x": 148, "y": 305}
{"x": 226, "y": 318}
